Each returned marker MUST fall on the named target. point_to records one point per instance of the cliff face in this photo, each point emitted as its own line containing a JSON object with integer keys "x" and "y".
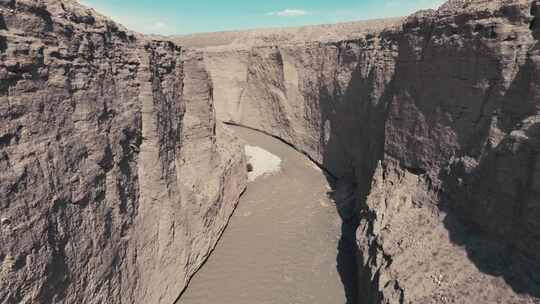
{"x": 460, "y": 139}
{"x": 436, "y": 123}
{"x": 115, "y": 181}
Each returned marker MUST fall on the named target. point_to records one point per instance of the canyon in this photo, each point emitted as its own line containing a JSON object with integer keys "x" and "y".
{"x": 120, "y": 169}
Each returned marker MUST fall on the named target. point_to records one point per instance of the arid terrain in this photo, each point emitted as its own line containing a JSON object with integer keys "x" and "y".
{"x": 291, "y": 35}
{"x": 118, "y": 174}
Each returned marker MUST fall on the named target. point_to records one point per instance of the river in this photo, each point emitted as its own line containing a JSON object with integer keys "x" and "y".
{"x": 283, "y": 242}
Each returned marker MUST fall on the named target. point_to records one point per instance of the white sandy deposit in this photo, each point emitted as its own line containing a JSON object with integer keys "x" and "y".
{"x": 263, "y": 162}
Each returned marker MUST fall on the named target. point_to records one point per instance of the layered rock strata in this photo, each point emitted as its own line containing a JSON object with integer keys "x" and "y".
{"x": 115, "y": 179}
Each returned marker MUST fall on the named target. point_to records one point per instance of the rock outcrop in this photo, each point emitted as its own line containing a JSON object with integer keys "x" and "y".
{"x": 436, "y": 122}
{"x": 116, "y": 181}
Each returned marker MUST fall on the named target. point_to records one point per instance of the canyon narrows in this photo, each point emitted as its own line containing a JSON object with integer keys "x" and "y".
{"x": 118, "y": 177}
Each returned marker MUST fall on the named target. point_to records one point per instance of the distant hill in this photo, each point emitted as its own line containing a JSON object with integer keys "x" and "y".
{"x": 268, "y": 36}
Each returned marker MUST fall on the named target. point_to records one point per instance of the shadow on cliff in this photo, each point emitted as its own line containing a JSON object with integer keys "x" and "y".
{"x": 479, "y": 219}
{"x": 343, "y": 194}
{"x": 335, "y": 160}
{"x": 491, "y": 224}
{"x": 488, "y": 216}
{"x": 346, "y": 263}
{"x": 353, "y": 136}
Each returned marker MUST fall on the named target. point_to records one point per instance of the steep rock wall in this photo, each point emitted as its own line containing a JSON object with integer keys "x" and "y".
{"x": 100, "y": 133}
{"x": 459, "y": 95}
{"x": 436, "y": 125}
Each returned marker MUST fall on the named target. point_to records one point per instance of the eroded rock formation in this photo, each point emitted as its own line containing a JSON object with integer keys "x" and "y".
{"x": 116, "y": 181}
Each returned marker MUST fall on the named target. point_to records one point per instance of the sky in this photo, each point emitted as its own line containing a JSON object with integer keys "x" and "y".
{"x": 173, "y": 17}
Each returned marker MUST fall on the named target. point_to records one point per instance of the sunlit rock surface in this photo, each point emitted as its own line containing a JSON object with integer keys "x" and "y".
{"x": 116, "y": 181}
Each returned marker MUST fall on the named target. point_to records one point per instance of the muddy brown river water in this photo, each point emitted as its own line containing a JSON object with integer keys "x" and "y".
{"x": 285, "y": 242}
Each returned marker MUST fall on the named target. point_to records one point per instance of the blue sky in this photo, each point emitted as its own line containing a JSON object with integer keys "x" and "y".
{"x": 169, "y": 17}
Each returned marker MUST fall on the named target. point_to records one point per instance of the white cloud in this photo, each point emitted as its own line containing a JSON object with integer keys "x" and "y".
{"x": 290, "y": 13}
{"x": 159, "y": 25}
{"x": 412, "y": 7}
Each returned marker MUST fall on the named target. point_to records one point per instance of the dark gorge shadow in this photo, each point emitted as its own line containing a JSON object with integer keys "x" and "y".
{"x": 352, "y": 137}
{"x": 344, "y": 195}
{"x": 346, "y": 259}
